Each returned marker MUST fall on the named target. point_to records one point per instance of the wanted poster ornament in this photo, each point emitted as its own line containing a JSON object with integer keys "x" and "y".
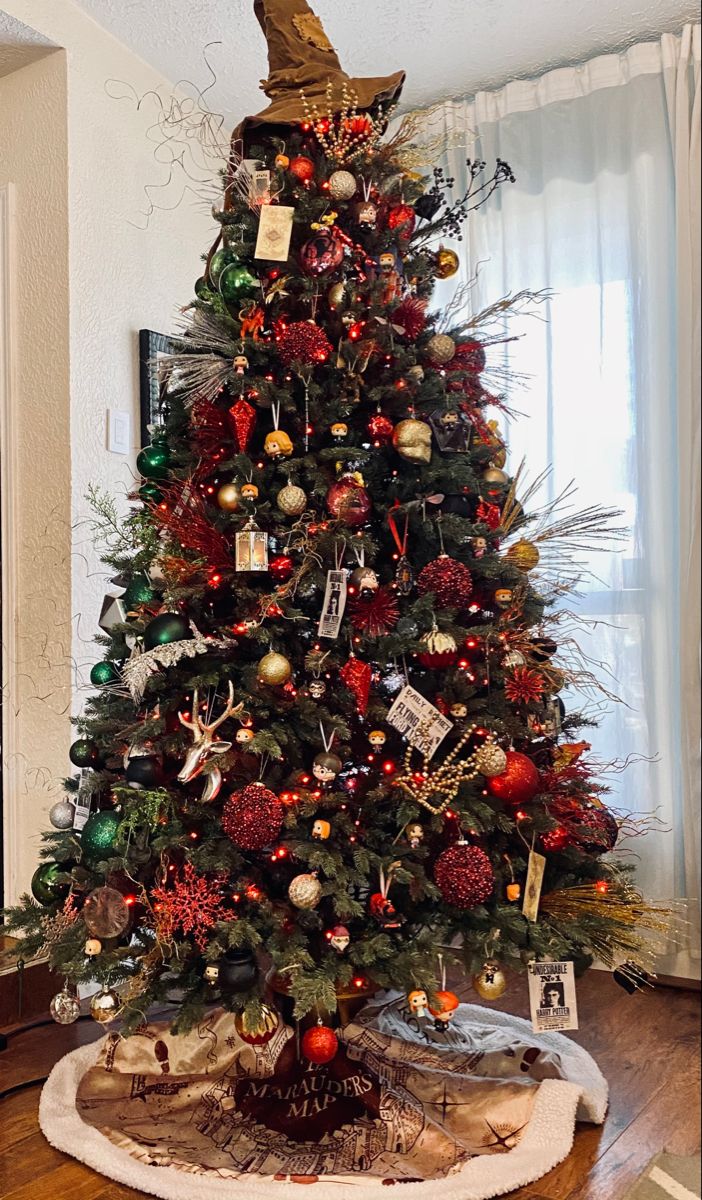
{"x": 334, "y": 605}
{"x": 552, "y": 996}
{"x": 274, "y": 233}
{"x": 419, "y": 721}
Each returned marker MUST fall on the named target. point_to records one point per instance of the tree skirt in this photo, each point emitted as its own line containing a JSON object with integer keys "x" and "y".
{"x": 463, "y": 1113}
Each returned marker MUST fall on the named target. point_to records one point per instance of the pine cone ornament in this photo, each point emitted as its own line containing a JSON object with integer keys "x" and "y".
{"x": 464, "y": 875}
{"x": 252, "y": 818}
{"x": 449, "y": 580}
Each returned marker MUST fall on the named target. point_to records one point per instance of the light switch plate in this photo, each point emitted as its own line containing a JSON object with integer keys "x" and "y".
{"x": 119, "y": 429}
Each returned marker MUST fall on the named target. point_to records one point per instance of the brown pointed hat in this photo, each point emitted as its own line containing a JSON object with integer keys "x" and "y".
{"x": 300, "y": 56}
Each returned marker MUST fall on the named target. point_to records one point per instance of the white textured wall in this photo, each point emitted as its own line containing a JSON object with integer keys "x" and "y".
{"x": 37, "y": 670}
{"x": 121, "y": 278}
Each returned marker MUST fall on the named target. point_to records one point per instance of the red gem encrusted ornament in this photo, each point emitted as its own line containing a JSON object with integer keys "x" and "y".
{"x": 303, "y": 342}
{"x": 252, "y": 818}
{"x": 449, "y": 580}
{"x": 242, "y": 420}
{"x": 464, "y": 875}
{"x": 319, "y": 1044}
{"x": 518, "y": 783}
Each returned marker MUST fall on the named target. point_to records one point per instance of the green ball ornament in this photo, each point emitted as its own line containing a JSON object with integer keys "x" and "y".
{"x": 164, "y": 629}
{"x": 45, "y": 885}
{"x": 236, "y": 282}
{"x": 153, "y": 461}
{"x": 140, "y": 591}
{"x": 220, "y": 259}
{"x": 201, "y": 286}
{"x": 99, "y": 833}
{"x": 150, "y": 493}
{"x": 85, "y": 753}
{"x": 104, "y": 673}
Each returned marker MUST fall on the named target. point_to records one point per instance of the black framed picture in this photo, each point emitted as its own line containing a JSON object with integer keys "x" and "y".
{"x": 153, "y": 391}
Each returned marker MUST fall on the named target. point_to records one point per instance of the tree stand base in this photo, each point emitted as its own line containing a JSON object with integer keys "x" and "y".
{"x": 463, "y": 1113}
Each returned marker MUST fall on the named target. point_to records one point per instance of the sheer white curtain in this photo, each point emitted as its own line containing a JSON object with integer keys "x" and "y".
{"x": 605, "y": 212}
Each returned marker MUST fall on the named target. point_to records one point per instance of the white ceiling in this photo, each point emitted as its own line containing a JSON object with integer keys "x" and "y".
{"x": 19, "y": 45}
{"x": 448, "y": 47}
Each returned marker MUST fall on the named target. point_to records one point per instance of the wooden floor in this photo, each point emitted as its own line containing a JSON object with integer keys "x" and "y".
{"x": 647, "y": 1046}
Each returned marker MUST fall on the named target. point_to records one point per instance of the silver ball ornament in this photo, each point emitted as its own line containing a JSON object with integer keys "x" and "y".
{"x": 65, "y": 1007}
{"x": 61, "y": 814}
{"x": 342, "y": 185}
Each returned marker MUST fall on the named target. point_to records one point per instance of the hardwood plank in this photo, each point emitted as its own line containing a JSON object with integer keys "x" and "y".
{"x": 70, "y": 1179}
{"x": 19, "y": 1118}
{"x": 32, "y": 1054}
{"x": 28, "y": 1160}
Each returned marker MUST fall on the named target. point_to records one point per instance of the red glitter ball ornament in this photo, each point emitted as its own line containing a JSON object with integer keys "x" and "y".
{"x": 302, "y": 168}
{"x": 319, "y": 1044}
{"x": 281, "y": 568}
{"x": 401, "y": 219}
{"x": 303, "y": 342}
{"x": 348, "y": 501}
{"x": 449, "y": 580}
{"x": 464, "y": 875}
{"x": 252, "y": 818}
{"x": 518, "y": 783}
{"x": 380, "y": 428}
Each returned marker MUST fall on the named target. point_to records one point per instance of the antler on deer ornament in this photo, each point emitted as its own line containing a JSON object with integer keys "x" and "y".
{"x": 204, "y": 745}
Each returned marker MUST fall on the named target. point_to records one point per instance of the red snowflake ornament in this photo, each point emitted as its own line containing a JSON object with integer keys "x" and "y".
{"x": 192, "y": 904}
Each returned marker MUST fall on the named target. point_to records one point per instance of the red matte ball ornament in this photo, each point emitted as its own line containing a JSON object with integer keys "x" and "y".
{"x": 319, "y": 1044}
{"x": 518, "y": 783}
{"x": 321, "y": 253}
{"x": 302, "y": 168}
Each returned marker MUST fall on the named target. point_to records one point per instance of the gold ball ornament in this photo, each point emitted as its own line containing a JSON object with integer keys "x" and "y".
{"x": 491, "y": 760}
{"x": 342, "y": 185}
{"x": 229, "y": 497}
{"x": 490, "y": 982}
{"x": 105, "y": 1006}
{"x": 441, "y": 348}
{"x": 305, "y": 891}
{"x": 412, "y": 440}
{"x": 523, "y": 555}
{"x": 274, "y": 669}
{"x": 446, "y": 263}
{"x": 493, "y": 474}
{"x": 291, "y": 500}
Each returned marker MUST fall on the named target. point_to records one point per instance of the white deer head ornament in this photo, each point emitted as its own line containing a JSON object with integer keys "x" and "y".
{"x": 204, "y": 745}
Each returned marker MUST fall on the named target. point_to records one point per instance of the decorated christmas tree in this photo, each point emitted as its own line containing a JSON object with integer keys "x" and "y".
{"x": 328, "y": 751}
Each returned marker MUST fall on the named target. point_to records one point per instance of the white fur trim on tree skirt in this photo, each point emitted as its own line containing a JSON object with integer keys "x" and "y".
{"x": 547, "y": 1141}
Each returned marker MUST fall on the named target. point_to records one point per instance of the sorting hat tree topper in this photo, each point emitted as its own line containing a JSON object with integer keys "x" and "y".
{"x": 373, "y": 611}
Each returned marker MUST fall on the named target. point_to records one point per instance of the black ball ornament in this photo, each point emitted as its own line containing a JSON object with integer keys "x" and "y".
{"x": 144, "y": 770}
{"x": 164, "y": 629}
{"x": 85, "y": 753}
{"x": 46, "y": 886}
{"x": 238, "y": 972}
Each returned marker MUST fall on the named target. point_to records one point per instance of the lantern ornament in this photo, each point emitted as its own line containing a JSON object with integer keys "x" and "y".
{"x": 251, "y": 548}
